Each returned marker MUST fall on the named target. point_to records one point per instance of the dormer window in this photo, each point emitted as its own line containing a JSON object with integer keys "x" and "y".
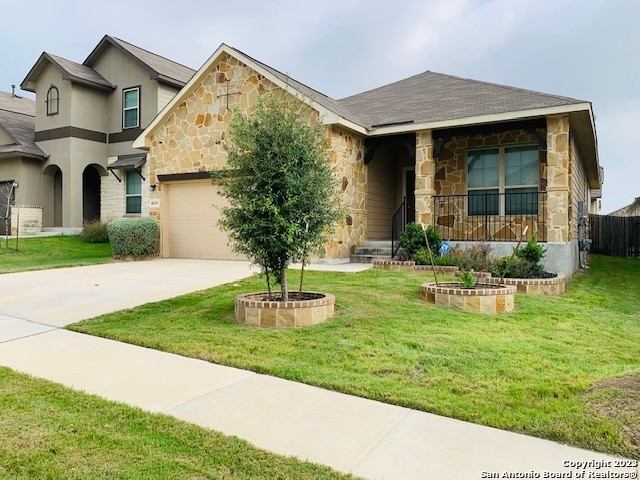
{"x": 131, "y": 107}
{"x": 53, "y": 100}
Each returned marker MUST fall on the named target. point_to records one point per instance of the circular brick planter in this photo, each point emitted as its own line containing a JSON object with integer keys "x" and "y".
{"x": 551, "y": 287}
{"x": 485, "y": 298}
{"x": 254, "y": 309}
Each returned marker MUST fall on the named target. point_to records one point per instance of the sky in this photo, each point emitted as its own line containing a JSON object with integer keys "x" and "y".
{"x": 584, "y": 49}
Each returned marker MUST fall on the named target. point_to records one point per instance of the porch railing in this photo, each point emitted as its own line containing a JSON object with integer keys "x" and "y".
{"x": 398, "y": 224}
{"x": 496, "y": 217}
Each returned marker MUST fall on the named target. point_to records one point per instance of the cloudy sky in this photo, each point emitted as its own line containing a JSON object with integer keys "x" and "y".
{"x": 585, "y": 49}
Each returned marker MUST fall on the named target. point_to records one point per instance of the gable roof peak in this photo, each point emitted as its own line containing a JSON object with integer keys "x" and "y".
{"x": 160, "y": 68}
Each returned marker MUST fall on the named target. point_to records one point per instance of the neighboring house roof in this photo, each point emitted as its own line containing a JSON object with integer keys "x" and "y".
{"x": 631, "y": 210}
{"x": 433, "y": 97}
{"x": 160, "y": 68}
{"x": 17, "y": 118}
{"x": 72, "y": 71}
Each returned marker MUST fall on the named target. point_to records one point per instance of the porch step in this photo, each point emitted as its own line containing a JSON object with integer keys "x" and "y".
{"x": 371, "y": 250}
{"x": 376, "y": 244}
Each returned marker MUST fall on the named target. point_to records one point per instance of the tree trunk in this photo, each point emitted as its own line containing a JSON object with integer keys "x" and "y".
{"x": 283, "y": 284}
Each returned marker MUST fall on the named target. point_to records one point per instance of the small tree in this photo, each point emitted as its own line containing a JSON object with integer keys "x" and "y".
{"x": 280, "y": 186}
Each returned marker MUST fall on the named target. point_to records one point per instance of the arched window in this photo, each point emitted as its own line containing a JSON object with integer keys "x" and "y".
{"x": 53, "y": 100}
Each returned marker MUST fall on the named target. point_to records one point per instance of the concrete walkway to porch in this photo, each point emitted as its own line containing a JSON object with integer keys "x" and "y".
{"x": 370, "y": 439}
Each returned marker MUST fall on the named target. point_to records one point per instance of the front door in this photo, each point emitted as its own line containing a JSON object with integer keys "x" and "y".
{"x": 410, "y": 193}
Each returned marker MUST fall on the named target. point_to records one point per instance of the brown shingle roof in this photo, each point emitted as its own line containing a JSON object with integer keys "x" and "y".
{"x": 75, "y": 72}
{"x": 17, "y": 118}
{"x": 160, "y": 68}
{"x": 432, "y": 97}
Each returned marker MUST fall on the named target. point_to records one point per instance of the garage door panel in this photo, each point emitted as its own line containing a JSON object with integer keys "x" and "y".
{"x": 194, "y": 212}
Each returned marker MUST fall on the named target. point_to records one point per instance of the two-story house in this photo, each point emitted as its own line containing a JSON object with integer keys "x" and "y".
{"x": 86, "y": 117}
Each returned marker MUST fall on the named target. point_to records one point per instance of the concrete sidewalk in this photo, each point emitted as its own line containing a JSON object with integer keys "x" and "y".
{"x": 370, "y": 439}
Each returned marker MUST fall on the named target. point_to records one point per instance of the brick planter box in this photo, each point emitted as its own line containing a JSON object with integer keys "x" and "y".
{"x": 485, "y": 298}
{"x": 252, "y": 309}
{"x": 551, "y": 287}
{"x": 407, "y": 265}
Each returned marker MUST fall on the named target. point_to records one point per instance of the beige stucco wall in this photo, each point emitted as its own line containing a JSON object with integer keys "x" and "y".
{"x": 123, "y": 72}
{"x": 192, "y": 140}
{"x": 5, "y": 138}
{"x": 52, "y": 76}
{"x": 27, "y": 172}
{"x": 89, "y": 108}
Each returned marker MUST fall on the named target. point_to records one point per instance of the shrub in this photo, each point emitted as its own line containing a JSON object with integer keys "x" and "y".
{"x": 515, "y": 267}
{"x": 134, "y": 237}
{"x": 95, "y": 232}
{"x": 466, "y": 279}
{"x": 476, "y": 258}
{"x": 422, "y": 257}
{"x": 532, "y": 251}
{"x": 446, "y": 260}
{"x": 412, "y": 240}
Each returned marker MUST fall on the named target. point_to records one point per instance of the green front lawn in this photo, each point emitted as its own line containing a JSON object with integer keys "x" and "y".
{"x": 49, "y": 431}
{"x": 51, "y": 252}
{"x": 534, "y": 371}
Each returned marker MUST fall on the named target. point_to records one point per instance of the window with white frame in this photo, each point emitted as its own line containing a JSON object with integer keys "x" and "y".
{"x": 133, "y": 192}
{"x": 53, "y": 101}
{"x": 503, "y": 181}
{"x": 131, "y": 107}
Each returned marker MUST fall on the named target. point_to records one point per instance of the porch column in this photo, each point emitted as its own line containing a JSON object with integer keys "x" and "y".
{"x": 425, "y": 177}
{"x": 558, "y": 178}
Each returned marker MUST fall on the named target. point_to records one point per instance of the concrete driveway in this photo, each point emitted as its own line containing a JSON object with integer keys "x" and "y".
{"x": 62, "y": 296}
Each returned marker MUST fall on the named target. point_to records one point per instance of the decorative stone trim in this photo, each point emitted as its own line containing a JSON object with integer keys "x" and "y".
{"x": 251, "y": 309}
{"x": 444, "y": 269}
{"x": 30, "y": 218}
{"x": 394, "y": 264}
{"x": 485, "y": 298}
{"x": 409, "y": 265}
{"x": 551, "y": 287}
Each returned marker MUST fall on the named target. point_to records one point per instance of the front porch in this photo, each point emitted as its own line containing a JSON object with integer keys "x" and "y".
{"x": 477, "y": 183}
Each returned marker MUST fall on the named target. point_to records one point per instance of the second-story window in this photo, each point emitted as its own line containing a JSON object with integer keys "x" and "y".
{"x": 131, "y": 107}
{"x": 53, "y": 101}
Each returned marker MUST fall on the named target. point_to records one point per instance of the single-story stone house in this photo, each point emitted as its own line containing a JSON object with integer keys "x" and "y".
{"x": 480, "y": 161}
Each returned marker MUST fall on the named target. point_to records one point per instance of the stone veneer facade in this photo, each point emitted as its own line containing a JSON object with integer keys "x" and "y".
{"x": 451, "y": 179}
{"x": 447, "y": 175}
{"x": 192, "y": 140}
{"x": 26, "y": 220}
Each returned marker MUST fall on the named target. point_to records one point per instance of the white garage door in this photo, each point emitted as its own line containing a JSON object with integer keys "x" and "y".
{"x": 194, "y": 211}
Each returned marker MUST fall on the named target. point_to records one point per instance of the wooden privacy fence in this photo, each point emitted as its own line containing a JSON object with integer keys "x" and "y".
{"x": 615, "y": 236}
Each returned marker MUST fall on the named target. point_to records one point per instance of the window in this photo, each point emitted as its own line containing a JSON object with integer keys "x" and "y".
{"x": 53, "y": 101}
{"x": 134, "y": 192}
{"x": 503, "y": 181}
{"x": 131, "y": 107}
